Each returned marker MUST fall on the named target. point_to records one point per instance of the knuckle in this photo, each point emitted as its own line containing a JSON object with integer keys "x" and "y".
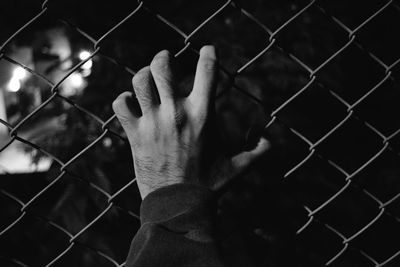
{"x": 120, "y": 109}
{"x": 124, "y": 120}
{"x": 141, "y": 94}
{"x": 145, "y": 97}
{"x": 141, "y": 77}
{"x": 118, "y": 102}
{"x": 160, "y": 61}
{"x": 141, "y": 83}
{"x": 160, "y": 68}
{"x": 162, "y": 55}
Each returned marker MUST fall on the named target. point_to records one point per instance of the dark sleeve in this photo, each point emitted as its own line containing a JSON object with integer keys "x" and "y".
{"x": 177, "y": 224}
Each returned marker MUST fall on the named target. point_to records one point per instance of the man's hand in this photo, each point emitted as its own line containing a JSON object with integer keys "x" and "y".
{"x": 168, "y": 136}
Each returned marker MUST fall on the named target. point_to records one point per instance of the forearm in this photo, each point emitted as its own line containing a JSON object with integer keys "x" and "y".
{"x": 177, "y": 228}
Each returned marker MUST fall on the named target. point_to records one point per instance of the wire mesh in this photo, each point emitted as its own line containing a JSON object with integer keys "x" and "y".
{"x": 313, "y": 73}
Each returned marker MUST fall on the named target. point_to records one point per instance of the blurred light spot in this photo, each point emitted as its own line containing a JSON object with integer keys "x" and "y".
{"x": 19, "y": 73}
{"x": 86, "y": 73}
{"x": 14, "y": 85}
{"x": 76, "y": 80}
{"x": 16, "y": 160}
{"x": 107, "y": 142}
{"x": 87, "y": 65}
{"x": 84, "y": 55}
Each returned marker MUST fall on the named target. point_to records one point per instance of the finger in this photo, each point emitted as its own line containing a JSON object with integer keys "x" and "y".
{"x": 162, "y": 73}
{"x": 239, "y": 163}
{"x": 143, "y": 85}
{"x": 126, "y": 109}
{"x": 205, "y": 80}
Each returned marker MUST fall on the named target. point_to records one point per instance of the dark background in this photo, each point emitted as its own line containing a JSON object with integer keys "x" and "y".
{"x": 261, "y": 212}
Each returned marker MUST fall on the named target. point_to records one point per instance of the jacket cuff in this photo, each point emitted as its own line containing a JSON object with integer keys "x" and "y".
{"x": 180, "y": 207}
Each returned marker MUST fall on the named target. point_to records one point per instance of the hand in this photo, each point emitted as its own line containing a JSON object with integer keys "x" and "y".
{"x": 168, "y": 137}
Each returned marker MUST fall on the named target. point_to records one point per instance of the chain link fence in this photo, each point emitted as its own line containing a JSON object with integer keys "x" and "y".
{"x": 320, "y": 77}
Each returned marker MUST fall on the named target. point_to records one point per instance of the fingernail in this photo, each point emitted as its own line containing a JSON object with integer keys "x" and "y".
{"x": 209, "y": 51}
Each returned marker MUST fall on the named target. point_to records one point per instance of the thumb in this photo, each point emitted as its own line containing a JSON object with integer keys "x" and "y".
{"x": 238, "y": 164}
{"x": 241, "y": 161}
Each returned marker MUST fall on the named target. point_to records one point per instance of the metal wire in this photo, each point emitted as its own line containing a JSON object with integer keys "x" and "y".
{"x": 274, "y": 117}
